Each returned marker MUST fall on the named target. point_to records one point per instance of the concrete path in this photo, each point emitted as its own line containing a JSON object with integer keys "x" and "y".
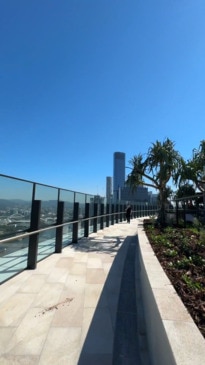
{"x": 65, "y": 311}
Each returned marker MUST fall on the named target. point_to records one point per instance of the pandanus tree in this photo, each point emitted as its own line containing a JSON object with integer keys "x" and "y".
{"x": 155, "y": 170}
{"x": 194, "y": 170}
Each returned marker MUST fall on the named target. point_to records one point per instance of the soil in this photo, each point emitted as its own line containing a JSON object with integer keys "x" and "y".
{"x": 181, "y": 252}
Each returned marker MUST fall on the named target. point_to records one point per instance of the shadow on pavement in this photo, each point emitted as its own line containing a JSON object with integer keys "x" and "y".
{"x": 102, "y": 345}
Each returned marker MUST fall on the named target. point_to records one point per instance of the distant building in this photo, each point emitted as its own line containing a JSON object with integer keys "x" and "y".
{"x": 108, "y": 188}
{"x": 118, "y": 174}
{"x": 153, "y": 198}
{"x": 140, "y": 194}
{"x": 120, "y": 191}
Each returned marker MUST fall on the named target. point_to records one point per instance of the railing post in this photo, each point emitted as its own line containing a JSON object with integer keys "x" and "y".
{"x": 177, "y": 213}
{"x": 125, "y": 212}
{"x": 101, "y": 218}
{"x": 75, "y": 225}
{"x": 184, "y": 213}
{"x": 112, "y": 216}
{"x": 95, "y": 221}
{"x": 120, "y": 212}
{"x": 116, "y": 215}
{"x": 33, "y": 239}
{"x": 134, "y": 215}
{"x": 107, "y": 215}
{"x": 59, "y": 230}
{"x": 87, "y": 215}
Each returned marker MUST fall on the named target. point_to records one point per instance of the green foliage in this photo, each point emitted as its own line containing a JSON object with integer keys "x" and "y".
{"x": 202, "y": 236}
{"x": 196, "y": 223}
{"x": 183, "y": 263}
{"x": 193, "y": 169}
{"x": 170, "y": 253}
{"x": 185, "y": 190}
{"x": 153, "y": 219}
{"x": 198, "y": 260}
{"x": 191, "y": 284}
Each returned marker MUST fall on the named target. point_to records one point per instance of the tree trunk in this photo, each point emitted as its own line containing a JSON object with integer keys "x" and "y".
{"x": 162, "y": 211}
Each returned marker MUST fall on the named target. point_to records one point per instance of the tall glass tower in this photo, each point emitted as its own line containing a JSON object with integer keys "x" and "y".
{"x": 108, "y": 188}
{"x": 118, "y": 173}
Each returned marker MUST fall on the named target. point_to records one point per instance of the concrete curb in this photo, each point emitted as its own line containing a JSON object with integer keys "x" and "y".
{"x": 173, "y": 337}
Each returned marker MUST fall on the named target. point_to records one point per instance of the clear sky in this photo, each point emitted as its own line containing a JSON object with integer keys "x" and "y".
{"x": 81, "y": 79}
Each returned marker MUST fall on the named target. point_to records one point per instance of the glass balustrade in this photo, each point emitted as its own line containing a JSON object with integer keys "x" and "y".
{"x": 17, "y": 201}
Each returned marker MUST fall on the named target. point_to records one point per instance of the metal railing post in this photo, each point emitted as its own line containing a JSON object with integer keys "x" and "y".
{"x": 125, "y": 207}
{"x": 120, "y": 212}
{"x": 75, "y": 225}
{"x": 112, "y": 216}
{"x": 116, "y": 215}
{"x": 33, "y": 239}
{"x": 59, "y": 230}
{"x": 95, "y": 221}
{"x": 107, "y": 215}
{"x": 101, "y": 218}
{"x": 87, "y": 215}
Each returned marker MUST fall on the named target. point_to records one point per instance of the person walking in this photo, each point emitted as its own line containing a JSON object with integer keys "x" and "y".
{"x": 128, "y": 213}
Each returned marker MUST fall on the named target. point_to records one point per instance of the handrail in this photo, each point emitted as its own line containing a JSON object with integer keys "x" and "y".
{"x": 24, "y": 235}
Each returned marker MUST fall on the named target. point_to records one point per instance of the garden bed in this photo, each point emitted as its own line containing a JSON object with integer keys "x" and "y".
{"x": 181, "y": 252}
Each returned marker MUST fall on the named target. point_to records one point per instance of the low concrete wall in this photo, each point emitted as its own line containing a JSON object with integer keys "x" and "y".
{"x": 173, "y": 337}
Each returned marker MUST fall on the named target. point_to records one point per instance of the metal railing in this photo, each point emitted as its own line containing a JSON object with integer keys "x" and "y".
{"x": 28, "y": 235}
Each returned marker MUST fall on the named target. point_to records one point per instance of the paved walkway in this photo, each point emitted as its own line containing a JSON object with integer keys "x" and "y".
{"x": 65, "y": 311}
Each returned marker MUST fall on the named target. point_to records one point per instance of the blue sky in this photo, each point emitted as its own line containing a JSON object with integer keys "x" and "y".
{"x": 81, "y": 79}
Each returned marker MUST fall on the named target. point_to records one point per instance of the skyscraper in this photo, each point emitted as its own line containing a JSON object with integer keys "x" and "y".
{"x": 118, "y": 173}
{"x": 108, "y": 188}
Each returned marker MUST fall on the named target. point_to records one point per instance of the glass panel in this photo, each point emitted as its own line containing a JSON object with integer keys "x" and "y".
{"x": 13, "y": 258}
{"x": 91, "y": 226}
{"x": 98, "y": 219}
{"x": 15, "y": 206}
{"x": 68, "y": 198}
{"x": 46, "y": 245}
{"x": 81, "y": 229}
{"x": 89, "y": 198}
{"x": 67, "y": 234}
{"x": 49, "y": 200}
{"x": 80, "y": 198}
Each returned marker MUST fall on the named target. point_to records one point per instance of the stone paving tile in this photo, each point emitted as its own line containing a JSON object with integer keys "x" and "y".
{"x": 95, "y": 276}
{"x": 30, "y": 335}
{"x": 64, "y": 262}
{"x": 78, "y": 268}
{"x": 34, "y": 283}
{"x": 19, "y": 360}
{"x": 61, "y": 346}
{"x": 13, "y": 310}
{"x": 69, "y": 311}
{"x": 40, "y": 324}
{"x": 6, "y": 334}
{"x": 94, "y": 262}
{"x": 49, "y": 295}
{"x": 92, "y": 295}
{"x": 58, "y": 275}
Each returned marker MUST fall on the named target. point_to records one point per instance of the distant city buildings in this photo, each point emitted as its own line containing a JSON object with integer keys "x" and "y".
{"x": 119, "y": 190}
{"x": 140, "y": 194}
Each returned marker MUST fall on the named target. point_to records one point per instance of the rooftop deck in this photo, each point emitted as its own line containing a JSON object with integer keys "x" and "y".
{"x": 66, "y": 311}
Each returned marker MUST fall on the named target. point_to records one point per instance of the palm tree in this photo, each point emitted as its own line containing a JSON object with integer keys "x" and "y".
{"x": 156, "y": 170}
